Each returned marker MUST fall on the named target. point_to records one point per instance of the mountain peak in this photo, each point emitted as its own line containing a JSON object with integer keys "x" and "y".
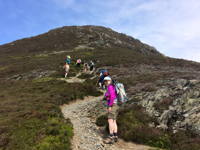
{"x": 69, "y": 37}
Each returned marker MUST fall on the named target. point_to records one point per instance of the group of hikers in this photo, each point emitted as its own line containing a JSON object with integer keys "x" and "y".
{"x": 115, "y": 96}
{"x": 85, "y": 65}
{"x": 66, "y": 67}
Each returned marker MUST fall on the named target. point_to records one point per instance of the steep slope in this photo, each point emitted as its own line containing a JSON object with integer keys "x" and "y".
{"x": 102, "y": 45}
{"x": 162, "y": 85}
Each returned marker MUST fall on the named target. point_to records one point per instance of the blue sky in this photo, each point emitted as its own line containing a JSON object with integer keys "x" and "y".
{"x": 172, "y": 26}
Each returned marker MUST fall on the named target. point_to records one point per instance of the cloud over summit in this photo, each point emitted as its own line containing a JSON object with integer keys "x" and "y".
{"x": 172, "y": 26}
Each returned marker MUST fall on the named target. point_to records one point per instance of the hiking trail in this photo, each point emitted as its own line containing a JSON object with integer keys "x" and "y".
{"x": 87, "y": 135}
{"x": 76, "y": 79}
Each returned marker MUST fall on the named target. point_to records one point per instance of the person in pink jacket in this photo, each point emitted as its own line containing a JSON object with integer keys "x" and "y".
{"x": 113, "y": 110}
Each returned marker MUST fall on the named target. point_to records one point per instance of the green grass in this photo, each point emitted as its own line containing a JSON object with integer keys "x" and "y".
{"x": 30, "y": 113}
{"x": 3, "y": 68}
{"x": 17, "y": 57}
{"x": 89, "y": 53}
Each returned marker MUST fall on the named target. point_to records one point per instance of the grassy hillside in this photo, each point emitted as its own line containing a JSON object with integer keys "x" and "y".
{"x": 47, "y": 51}
{"x": 29, "y": 109}
{"x": 30, "y": 113}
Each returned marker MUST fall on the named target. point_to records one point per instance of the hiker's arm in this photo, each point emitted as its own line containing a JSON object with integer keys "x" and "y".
{"x": 100, "y": 75}
{"x": 112, "y": 95}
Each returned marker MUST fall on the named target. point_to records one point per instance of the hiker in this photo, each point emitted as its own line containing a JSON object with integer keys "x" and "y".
{"x": 66, "y": 68}
{"x": 78, "y": 63}
{"x": 103, "y": 74}
{"x": 68, "y": 60}
{"x": 85, "y": 66}
{"x": 68, "y": 57}
{"x": 113, "y": 110}
{"x": 91, "y": 66}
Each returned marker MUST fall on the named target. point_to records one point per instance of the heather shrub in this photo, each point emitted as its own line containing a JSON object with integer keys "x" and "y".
{"x": 133, "y": 126}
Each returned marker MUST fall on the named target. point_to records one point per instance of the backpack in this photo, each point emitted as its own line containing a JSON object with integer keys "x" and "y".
{"x": 80, "y": 60}
{"x": 121, "y": 94}
{"x": 105, "y": 72}
{"x": 66, "y": 66}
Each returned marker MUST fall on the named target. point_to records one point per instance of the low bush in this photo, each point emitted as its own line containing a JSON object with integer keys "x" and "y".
{"x": 92, "y": 81}
{"x": 30, "y": 114}
{"x": 149, "y": 89}
{"x": 85, "y": 76}
{"x": 163, "y": 105}
{"x": 133, "y": 126}
{"x": 102, "y": 120}
{"x": 134, "y": 100}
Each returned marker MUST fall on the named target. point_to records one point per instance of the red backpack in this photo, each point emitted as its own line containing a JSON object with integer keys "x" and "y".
{"x": 105, "y": 73}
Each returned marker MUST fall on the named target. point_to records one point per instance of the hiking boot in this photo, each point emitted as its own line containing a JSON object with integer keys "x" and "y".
{"x": 109, "y": 140}
{"x": 115, "y": 138}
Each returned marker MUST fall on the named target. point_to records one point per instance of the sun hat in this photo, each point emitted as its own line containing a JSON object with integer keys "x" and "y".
{"x": 107, "y": 79}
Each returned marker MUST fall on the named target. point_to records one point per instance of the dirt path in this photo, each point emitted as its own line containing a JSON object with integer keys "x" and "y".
{"x": 86, "y": 134}
{"x": 74, "y": 79}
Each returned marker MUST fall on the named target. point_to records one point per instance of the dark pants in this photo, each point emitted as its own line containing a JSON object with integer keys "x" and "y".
{"x": 78, "y": 65}
{"x": 91, "y": 68}
{"x": 101, "y": 79}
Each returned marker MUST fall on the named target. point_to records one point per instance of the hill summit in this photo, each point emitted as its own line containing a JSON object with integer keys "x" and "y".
{"x": 66, "y": 38}
{"x": 47, "y": 51}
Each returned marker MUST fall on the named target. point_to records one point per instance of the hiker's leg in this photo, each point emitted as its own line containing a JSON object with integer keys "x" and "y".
{"x": 115, "y": 126}
{"x": 92, "y": 70}
{"x": 103, "y": 84}
{"x": 111, "y": 125}
{"x": 100, "y": 80}
{"x": 115, "y": 131}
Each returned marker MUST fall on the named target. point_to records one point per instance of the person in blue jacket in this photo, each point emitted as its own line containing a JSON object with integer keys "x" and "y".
{"x": 103, "y": 74}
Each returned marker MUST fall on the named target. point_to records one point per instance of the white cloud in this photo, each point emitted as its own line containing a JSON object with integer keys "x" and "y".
{"x": 172, "y": 26}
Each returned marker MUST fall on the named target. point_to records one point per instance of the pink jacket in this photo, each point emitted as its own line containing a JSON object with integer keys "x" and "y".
{"x": 111, "y": 95}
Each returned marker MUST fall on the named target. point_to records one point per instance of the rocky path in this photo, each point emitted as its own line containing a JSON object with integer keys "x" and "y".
{"x": 74, "y": 79}
{"x": 87, "y": 135}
